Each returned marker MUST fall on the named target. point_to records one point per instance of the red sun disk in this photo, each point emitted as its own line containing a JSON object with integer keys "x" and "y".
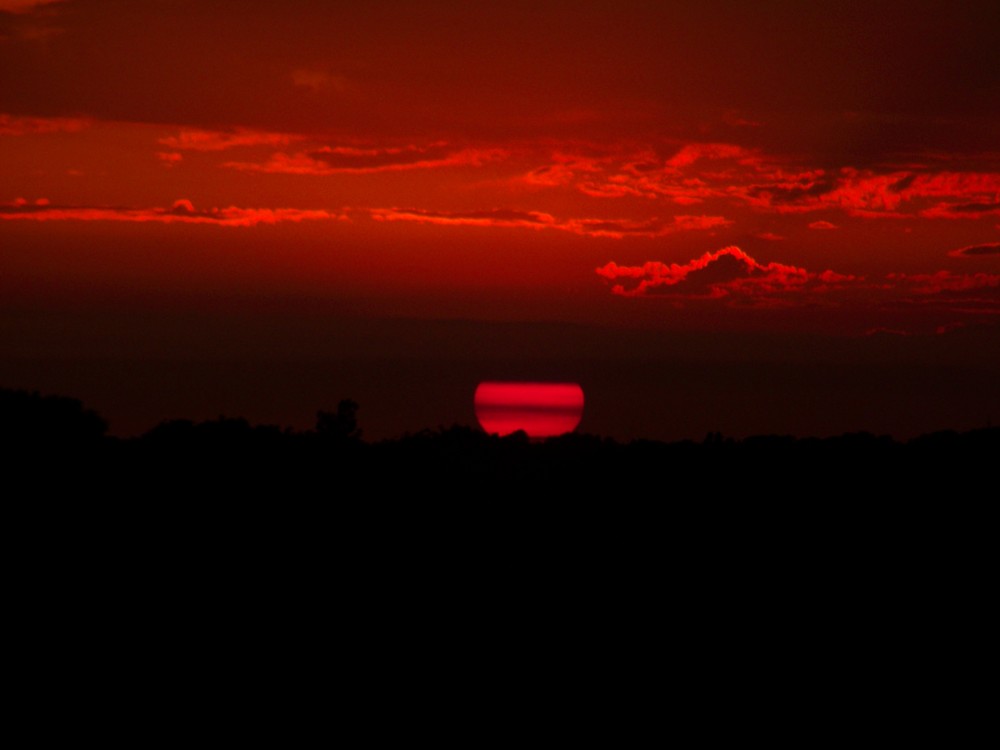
{"x": 540, "y": 409}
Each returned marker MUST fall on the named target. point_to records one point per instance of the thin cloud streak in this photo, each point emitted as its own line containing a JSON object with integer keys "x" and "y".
{"x": 348, "y": 160}
{"x": 591, "y": 227}
{"x": 16, "y": 125}
{"x": 219, "y": 140}
{"x": 182, "y": 212}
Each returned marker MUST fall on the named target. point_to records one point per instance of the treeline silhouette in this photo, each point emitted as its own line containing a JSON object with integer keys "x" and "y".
{"x": 60, "y": 442}
{"x": 331, "y": 528}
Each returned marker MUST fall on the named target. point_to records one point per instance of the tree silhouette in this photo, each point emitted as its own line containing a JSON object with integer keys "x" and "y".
{"x": 341, "y": 425}
{"x": 30, "y": 418}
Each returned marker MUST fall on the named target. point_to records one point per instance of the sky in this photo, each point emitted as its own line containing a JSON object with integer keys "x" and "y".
{"x": 713, "y": 216}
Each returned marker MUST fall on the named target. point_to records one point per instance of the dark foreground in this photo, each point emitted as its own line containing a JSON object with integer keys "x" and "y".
{"x": 55, "y": 447}
{"x": 805, "y": 574}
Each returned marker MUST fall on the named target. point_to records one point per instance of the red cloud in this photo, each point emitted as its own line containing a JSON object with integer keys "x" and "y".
{"x": 736, "y": 279}
{"x": 869, "y": 194}
{"x": 553, "y": 176}
{"x": 702, "y": 172}
{"x": 645, "y": 173}
{"x": 955, "y": 185}
{"x": 169, "y": 158}
{"x": 945, "y": 281}
{"x": 489, "y": 218}
{"x": 858, "y": 191}
{"x": 24, "y": 6}
{"x": 691, "y": 153}
{"x": 822, "y": 225}
{"x": 728, "y": 273}
{"x": 650, "y": 228}
{"x": 181, "y": 212}
{"x": 218, "y": 140}
{"x": 12, "y": 125}
{"x": 341, "y": 159}
{"x": 499, "y": 217}
{"x": 960, "y": 294}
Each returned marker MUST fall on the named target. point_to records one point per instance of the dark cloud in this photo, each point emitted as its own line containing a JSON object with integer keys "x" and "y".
{"x": 362, "y": 159}
{"x": 342, "y": 159}
{"x": 977, "y": 208}
{"x": 991, "y": 248}
{"x": 182, "y": 211}
{"x": 783, "y": 193}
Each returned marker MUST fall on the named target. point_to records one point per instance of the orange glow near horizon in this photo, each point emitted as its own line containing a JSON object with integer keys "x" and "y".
{"x": 539, "y": 409}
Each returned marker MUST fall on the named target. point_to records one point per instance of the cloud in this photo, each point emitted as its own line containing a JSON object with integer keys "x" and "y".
{"x": 990, "y": 248}
{"x": 691, "y": 153}
{"x": 962, "y": 210}
{"x": 726, "y": 173}
{"x": 554, "y": 175}
{"x": 975, "y": 294}
{"x": 822, "y": 225}
{"x": 945, "y": 281}
{"x": 728, "y": 274}
{"x": 350, "y": 160}
{"x": 24, "y": 6}
{"x": 732, "y": 278}
{"x": 14, "y": 125}
{"x": 182, "y": 211}
{"x": 868, "y": 192}
{"x": 169, "y": 158}
{"x": 700, "y": 222}
{"x": 696, "y": 172}
{"x": 898, "y": 194}
{"x": 489, "y": 218}
{"x": 654, "y": 227}
{"x": 735, "y": 119}
{"x": 501, "y": 217}
{"x": 701, "y": 172}
{"x": 220, "y": 140}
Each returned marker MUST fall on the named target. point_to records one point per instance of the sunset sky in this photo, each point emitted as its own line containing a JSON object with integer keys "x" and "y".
{"x": 739, "y": 216}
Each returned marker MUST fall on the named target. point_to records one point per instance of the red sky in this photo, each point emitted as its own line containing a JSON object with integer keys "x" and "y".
{"x": 278, "y": 203}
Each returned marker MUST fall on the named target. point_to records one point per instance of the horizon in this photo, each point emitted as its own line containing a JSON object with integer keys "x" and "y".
{"x": 33, "y": 419}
